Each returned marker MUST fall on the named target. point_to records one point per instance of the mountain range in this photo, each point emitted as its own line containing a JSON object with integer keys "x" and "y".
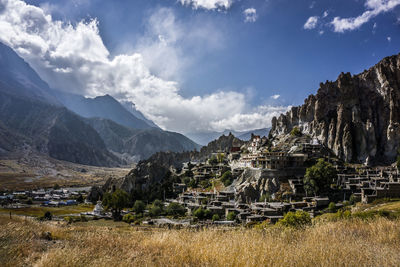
{"x": 94, "y": 131}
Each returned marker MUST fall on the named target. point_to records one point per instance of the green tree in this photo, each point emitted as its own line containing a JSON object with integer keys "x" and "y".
{"x": 175, "y": 209}
{"x": 296, "y": 219}
{"x": 116, "y": 201}
{"x": 215, "y": 217}
{"x": 319, "y": 177}
{"x": 139, "y": 206}
{"x": 231, "y": 216}
{"x": 156, "y": 208}
{"x": 227, "y": 178}
{"x": 202, "y": 214}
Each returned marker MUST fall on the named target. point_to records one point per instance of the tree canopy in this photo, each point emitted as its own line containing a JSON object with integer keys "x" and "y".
{"x": 116, "y": 201}
{"x": 319, "y": 177}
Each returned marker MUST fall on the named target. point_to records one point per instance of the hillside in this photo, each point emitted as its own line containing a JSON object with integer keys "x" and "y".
{"x": 51, "y": 130}
{"x": 140, "y": 144}
{"x": 357, "y": 116}
{"x": 101, "y": 107}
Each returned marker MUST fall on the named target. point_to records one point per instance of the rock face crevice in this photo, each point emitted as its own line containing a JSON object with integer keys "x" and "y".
{"x": 356, "y": 116}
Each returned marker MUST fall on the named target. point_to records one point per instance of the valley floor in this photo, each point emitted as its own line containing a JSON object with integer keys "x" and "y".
{"x": 33, "y": 171}
{"x": 353, "y": 242}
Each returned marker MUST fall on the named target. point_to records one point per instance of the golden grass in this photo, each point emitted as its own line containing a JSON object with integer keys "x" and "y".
{"x": 345, "y": 243}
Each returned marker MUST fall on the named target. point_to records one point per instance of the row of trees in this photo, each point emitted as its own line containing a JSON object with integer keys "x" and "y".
{"x": 119, "y": 199}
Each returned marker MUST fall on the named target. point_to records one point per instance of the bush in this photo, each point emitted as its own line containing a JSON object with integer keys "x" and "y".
{"x": 48, "y": 215}
{"x": 353, "y": 199}
{"x": 139, "y": 206}
{"x": 175, "y": 209}
{"x": 227, "y": 178}
{"x": 295, "y": 132}
{"x": 231, "y": 216}
{"x": 128, "y": 218}
{"x": 156, "y": 208}
{"x": 215, "y": 217}
{"x": 332, "y": 207}
{"x": 29, "y": 201}
{"x": 202, "y": 214}
{"x": 296, "y": 219}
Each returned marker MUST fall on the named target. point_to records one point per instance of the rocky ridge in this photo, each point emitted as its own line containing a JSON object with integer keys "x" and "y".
{"x": 357, "y": 116}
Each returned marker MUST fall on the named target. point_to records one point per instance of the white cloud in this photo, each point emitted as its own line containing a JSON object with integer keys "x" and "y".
{"x": 73, "y": 57}
{"x": 250, "y": 15}
{"x": 311, "y": 23}
{"x": 389, "y": 39}
{"x": 275, "y": 96}
{"x": 208, "y": 4}
{"x": 169, "y": 46}
{"x": 312, "y": 5}
{"x": 325, "y": 14}
{"x": 374, "y": 8}
{"x": 262, "y": 115}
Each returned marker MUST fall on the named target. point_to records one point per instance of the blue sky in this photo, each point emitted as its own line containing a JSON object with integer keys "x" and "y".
{"x": 205, "y": 51}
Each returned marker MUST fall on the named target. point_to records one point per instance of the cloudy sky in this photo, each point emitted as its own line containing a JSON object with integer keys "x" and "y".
{"x": 200, "y": 65}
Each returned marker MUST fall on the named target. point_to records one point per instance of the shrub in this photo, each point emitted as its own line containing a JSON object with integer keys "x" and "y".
{"x": 332, "y": 207}
{"x": 48, "y": 215}
{"x": 128, "y": 218}
{"x": 295, "y": 132}
{"x": 215, "y": 217}
{"x": 29, "y": 201}
{"x": 175, "y": 209}
{"x": 296, "y": 219}
{"x": 68, "y": 219}
{"x": 352, "y": 199}
{"x": 231, "y": 216}
{"x": 227, "y": 178}
{"x": 139, "y": 206}
{"x": 155, "y": 210}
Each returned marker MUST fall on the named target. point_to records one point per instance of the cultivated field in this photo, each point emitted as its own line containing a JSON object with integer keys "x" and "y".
{"x": 353, "y": 242}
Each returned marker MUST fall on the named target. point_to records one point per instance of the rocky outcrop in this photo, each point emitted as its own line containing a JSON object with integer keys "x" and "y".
{"x": 357, "y": 117}
{"x": 152, "y": 178}
{"x": 253, "y": 183}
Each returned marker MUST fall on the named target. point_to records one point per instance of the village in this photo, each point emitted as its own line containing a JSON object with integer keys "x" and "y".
{"x": 217, "y": 186}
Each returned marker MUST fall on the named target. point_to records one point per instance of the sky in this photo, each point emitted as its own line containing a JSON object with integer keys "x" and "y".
{"x": 200, "y": 65}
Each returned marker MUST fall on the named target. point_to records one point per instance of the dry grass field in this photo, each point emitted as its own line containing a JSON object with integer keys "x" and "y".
{"x": 374, "y": 242}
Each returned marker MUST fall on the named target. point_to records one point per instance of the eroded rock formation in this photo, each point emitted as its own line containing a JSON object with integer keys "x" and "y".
{"x": 355, "y": 116}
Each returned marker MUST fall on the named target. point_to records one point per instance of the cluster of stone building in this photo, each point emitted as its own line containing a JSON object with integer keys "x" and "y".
{"x": 223, "y": 203}
{"x": 368, "y": 184}
{"x": 46, "y": 197}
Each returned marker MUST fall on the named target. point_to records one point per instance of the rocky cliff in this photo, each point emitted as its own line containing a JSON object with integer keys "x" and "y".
{"x": 356, "y": 116}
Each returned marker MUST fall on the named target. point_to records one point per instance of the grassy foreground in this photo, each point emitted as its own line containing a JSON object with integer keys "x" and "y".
{"x": 345, "y": 243}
